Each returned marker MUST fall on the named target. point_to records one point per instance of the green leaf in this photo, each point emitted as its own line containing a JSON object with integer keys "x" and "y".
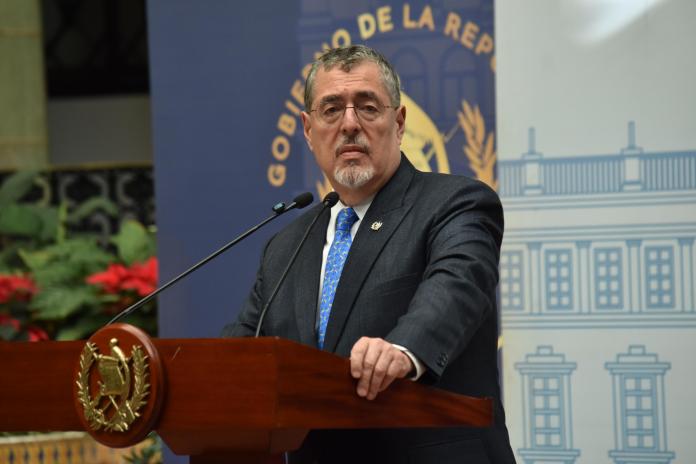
{"x": 35, "y": 260}
{"x": 58, "y": 273}
{"x": 91, "y": 258}
{"x": 16, "y": 186}
{"x": 134, "y": 242}
{"x": 82, "y": 328}
{"x": 61, "y": 229}
{"x": 49, "y": 222}
{"x": 151, "y": 453}
{"x": 61, "y": 302}
{"x": 84, "y": 254}
{"x": 21, "y": 220}
{"x": 105, "y": 299}
{"x": 88, "y": 207}
{"x": 9, "y": 257}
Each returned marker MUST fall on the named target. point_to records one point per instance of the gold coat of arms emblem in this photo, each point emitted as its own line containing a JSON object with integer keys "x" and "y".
{"x": 122, "y": 387}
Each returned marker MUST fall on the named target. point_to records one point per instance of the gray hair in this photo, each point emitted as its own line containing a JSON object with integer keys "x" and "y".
{"x": 347, "y": 58}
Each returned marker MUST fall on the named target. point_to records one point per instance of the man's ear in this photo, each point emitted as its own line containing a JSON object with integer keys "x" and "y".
{"x": 307, "y": 129}
{"x": 400, "y": 122}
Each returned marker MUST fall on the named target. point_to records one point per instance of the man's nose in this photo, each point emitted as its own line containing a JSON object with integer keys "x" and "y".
{"x": 350, "y": 124}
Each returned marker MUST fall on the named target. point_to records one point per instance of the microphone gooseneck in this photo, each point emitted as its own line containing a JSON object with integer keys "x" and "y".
{"x": 329, "y": 201}
{"x": 300, "y": 201}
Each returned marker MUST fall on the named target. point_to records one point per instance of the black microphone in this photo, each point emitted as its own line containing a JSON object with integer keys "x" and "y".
{"x": 329, "y": 201}
{"x": 299, "y": 202}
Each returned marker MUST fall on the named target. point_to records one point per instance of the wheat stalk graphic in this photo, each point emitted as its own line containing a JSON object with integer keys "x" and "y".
{"x": 480, "y": 146}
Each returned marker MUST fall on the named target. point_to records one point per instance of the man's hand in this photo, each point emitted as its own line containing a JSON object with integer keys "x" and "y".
{"x": 376, "y": 363}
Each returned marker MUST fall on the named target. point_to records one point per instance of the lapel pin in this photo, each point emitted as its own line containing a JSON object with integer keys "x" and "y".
{"x": 376, "y": 225}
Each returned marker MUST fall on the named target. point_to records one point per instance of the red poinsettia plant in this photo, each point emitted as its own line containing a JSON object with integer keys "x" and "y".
{"x": 67, "y": 290}
{"x": 15, "y": 292}
{"x": 16, "y": 287}
{"x": 128, "y": 283}
{"x": 64, "y": 285}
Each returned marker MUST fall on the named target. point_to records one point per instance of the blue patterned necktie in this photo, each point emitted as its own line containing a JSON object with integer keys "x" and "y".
{"x": 334, "y": 265}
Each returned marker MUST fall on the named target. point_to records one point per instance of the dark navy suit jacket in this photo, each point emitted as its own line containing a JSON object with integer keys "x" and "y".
{"x": 426, "y": 280}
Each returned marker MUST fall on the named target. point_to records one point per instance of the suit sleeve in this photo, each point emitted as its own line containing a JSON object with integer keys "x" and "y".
{"x": 457, "y": 291}
{"x": 248, "y": 317}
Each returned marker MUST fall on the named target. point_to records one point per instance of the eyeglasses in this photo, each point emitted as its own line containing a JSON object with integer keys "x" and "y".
{"x": 331, "y": 113}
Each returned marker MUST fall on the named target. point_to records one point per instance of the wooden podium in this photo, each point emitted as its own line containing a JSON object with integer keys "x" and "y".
{"x": 218, "y": 400}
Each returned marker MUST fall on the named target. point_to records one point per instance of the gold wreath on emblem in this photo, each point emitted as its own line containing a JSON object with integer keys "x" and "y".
{"x": 121, "y": 393}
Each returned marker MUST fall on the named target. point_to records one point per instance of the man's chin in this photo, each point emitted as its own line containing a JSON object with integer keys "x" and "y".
{"x": 354, "y": 176}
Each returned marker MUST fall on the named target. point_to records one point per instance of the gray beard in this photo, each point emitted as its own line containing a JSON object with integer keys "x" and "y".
{"x": 354, "y": 176}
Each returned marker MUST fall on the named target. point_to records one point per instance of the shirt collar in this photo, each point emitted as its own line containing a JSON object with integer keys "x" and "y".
{"x": 360, "y": 209}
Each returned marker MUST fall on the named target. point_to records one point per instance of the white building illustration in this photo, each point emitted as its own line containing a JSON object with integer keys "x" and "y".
{"x": 599, "y": 256}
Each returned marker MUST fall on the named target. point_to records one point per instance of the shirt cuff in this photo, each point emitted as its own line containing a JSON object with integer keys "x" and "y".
{"x": 420, "y": 367}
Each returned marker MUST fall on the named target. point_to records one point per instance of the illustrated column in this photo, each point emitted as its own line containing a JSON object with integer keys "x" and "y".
{"x": 631, "y": 156}
{"x": 533, "y": 178}
{"x": 534, "y": 278}
{"x": 583, "y": 279}
{"x": 686, "y": 249}
{"x": 635, "y": 276}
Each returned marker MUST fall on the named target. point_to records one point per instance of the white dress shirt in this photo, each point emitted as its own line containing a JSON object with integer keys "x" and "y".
{"x": 360, "y": 211}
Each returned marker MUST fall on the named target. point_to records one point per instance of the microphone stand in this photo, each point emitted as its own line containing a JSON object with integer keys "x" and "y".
{"x": 300, "y": 201}
{"x": 329, "y": 201}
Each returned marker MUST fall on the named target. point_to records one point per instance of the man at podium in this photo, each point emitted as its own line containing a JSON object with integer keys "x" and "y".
{"x": 399, "y": 275}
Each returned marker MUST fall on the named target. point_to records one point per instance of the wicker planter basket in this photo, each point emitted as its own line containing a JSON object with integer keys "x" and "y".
{"x": 59, "y": 448}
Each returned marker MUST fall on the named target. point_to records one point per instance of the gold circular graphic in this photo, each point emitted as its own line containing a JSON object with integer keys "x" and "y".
{"x": 422, "y": 140}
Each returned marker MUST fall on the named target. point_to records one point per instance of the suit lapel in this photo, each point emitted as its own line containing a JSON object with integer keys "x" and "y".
{"x": 307, "y": 274}
{"x": 388, "y": 208}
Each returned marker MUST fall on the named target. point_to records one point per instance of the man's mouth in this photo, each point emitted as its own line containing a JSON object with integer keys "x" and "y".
{"x": 349, "y": 149}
